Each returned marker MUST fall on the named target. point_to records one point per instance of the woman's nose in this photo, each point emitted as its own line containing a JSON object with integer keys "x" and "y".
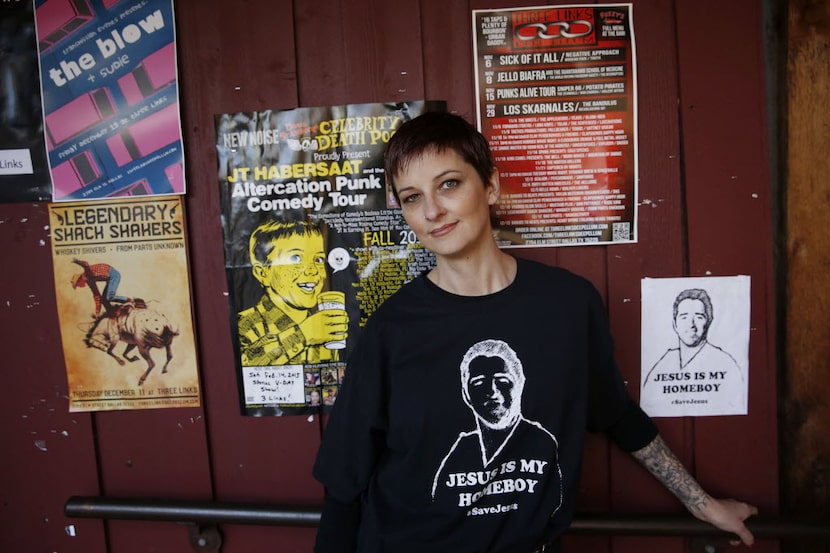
{"x": 432, "y": 209}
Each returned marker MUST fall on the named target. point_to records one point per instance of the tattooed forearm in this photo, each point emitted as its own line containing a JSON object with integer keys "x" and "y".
{"x": 662, "y": 463}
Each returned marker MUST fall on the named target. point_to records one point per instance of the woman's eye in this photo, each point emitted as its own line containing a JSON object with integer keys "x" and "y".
{"x": 409, "y": 199}
{"x": 451, "y": 183}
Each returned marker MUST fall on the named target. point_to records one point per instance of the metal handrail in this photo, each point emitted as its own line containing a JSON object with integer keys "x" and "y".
{"x": 197, "y": 512}
{"x": 211, "y": 513}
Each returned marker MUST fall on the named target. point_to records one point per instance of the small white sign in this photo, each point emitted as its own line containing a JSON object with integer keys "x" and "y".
{"x": 271, "y": 385}
{"x": 15, "y": 162}
{"x": 695, "y": 346}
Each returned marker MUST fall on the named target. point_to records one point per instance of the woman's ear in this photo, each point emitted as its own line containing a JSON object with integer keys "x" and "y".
{"x": 493, "y": 188}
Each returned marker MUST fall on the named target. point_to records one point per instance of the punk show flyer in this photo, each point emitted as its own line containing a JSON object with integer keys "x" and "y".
{"x": 314, "y": 242}
{"x": 556, "y": 97}
{"x": 110, "y": 98}
{"x": 123, "y": 301}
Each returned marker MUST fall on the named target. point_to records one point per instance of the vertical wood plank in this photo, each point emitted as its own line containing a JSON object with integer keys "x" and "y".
{"x": 243, "y": 54}
{"x": 659, "y": 252}
{"x": 154, "y": 453}
{"x": 447, "y": 45}
{"x": 729, "y": 225}
{"x": 238, "y": 57}
{"x": 594, "y": 485}
{"x": 382, "y": 44}
{"x": 806, "y": 411}
{"x": 48, "y": 453}
{"x": 321, "y": 53}
{"x": 242, "y": 448}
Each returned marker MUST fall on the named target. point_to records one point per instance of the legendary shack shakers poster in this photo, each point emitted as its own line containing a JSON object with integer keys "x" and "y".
{"x": 314, "y": 242}
{"x": 123, "y": 300}
{"x": 556, "y": 98}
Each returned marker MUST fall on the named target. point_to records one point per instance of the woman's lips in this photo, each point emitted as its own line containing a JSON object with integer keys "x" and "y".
{"x": 442, "y": 230}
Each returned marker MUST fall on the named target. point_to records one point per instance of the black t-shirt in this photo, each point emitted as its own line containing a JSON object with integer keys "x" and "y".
{"x": 461, "y": 421}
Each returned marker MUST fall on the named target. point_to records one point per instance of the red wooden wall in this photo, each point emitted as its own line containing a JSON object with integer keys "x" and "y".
{"x": 704, "y": 210}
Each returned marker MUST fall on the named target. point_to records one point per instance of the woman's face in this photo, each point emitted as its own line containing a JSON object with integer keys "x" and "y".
{"x": 446, "y": 204}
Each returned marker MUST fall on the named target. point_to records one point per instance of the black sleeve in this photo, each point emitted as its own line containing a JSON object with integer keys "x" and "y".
{"x": 610, "y": 407}
{"x": 338, "y": 528}
{"x": 354, "y": 436}
{"x": 634, "y": 429}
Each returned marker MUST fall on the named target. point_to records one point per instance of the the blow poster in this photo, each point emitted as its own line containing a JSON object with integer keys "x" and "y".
{"x": 110, "y": 98}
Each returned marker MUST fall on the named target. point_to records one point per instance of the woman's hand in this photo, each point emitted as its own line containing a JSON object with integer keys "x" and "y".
{"x": 728, "y": 515}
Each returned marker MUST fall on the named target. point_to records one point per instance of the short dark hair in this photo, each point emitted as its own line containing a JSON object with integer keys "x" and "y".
{"x": 262, "y": 239}
{"x": 436, "y": 132}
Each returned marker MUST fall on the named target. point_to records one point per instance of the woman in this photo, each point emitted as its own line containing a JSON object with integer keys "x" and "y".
{"x": 460, "y": 424}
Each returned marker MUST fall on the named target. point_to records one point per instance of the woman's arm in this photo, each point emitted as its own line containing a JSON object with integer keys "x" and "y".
{"x": 726, "y": 514}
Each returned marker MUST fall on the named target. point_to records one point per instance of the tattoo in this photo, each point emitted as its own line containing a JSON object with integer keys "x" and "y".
{"x": 667, "y": 468}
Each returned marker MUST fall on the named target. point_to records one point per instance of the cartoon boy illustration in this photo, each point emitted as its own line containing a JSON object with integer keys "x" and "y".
{"x": 285, "y": 326}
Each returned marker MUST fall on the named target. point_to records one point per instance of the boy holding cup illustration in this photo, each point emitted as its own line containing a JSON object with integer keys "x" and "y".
{"x": 294, "y": 322}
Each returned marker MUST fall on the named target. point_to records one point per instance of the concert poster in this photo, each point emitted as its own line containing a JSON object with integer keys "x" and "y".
{"x": 314, "y": 243}
{"x": 124, "y": 303}
{"x": 111, "y": 118}
{"x": 556, "y": 97}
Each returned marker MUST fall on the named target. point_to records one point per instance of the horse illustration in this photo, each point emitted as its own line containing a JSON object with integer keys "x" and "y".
{"x": 139, "y": 327}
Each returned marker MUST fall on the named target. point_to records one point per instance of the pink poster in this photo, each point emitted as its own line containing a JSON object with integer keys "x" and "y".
{"x": 110, "y": 98}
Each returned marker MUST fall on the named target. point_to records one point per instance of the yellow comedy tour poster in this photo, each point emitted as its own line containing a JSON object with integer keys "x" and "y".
{"x": 124, "y": 306}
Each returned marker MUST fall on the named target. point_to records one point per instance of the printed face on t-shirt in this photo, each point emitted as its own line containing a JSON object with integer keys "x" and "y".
{"x": 490, "y": 388}
{"x": 691, "y": 322}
